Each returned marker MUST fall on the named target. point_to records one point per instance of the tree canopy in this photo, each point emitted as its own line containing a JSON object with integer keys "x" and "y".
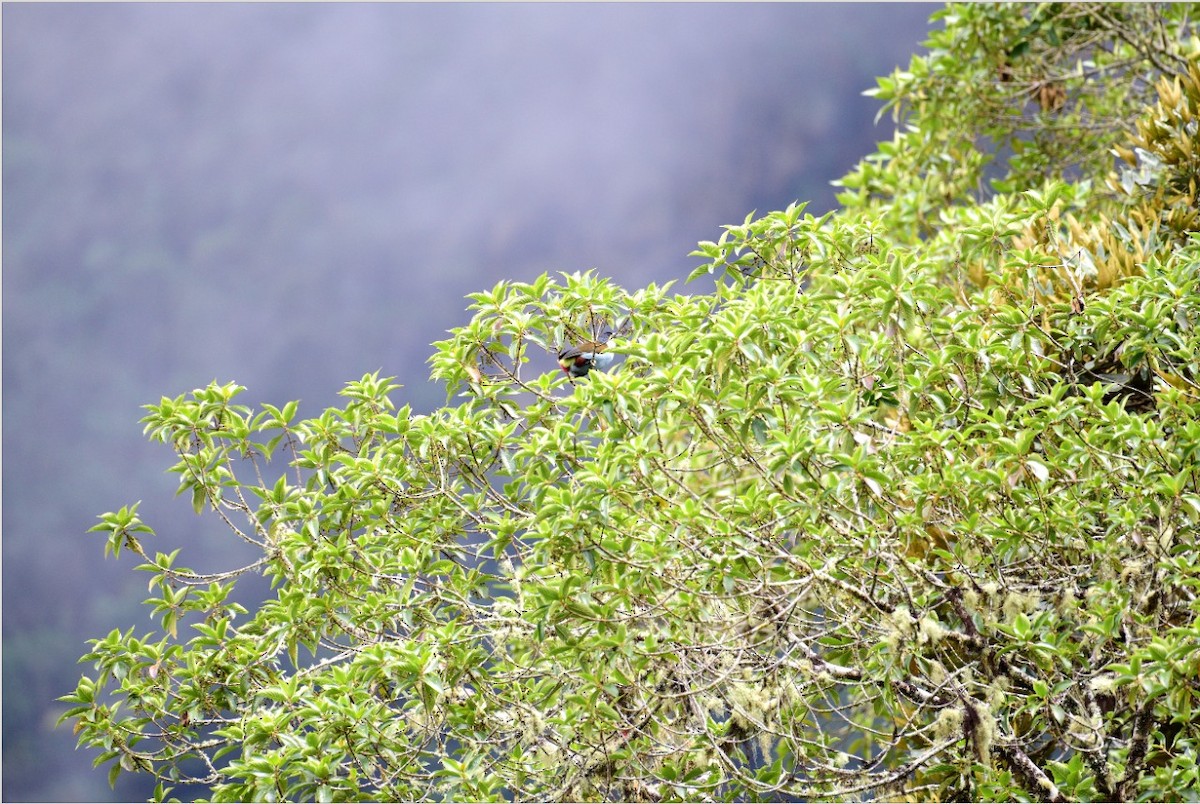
{"x": 905, "y": 507}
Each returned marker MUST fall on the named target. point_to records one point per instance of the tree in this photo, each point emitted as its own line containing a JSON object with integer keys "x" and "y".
{"x": 905, "y": 507}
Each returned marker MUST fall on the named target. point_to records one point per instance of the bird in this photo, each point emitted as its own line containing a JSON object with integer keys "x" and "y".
{"x": 576, "y": 361}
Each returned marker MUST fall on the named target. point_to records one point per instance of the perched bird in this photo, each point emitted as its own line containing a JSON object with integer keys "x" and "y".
{"x": 577, "y": 361}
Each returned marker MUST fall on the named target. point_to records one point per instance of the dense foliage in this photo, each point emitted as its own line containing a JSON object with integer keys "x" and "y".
{"x": 905, "y": 507}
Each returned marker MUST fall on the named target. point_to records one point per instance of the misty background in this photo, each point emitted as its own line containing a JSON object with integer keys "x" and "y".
{"x": 291, "y": 195}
